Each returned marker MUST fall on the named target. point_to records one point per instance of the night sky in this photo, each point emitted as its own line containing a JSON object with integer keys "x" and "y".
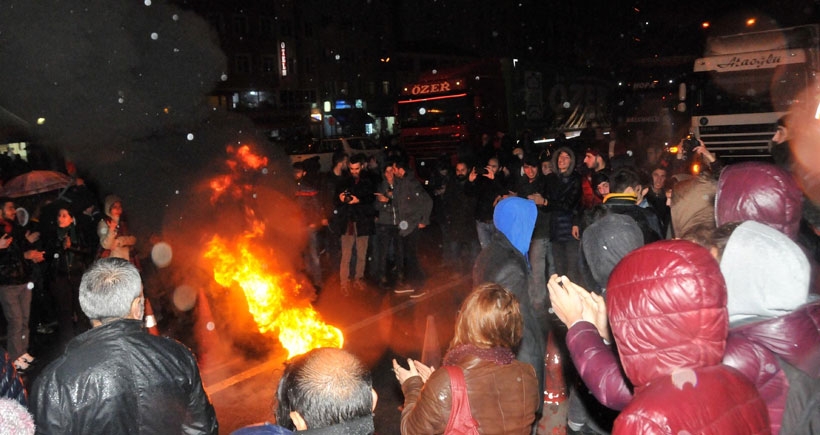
{"x": 120, "y": 82}
{"x": 120, "y": 85}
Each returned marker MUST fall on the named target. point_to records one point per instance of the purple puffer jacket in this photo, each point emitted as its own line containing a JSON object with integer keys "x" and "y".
{"x": 761, "y": 192}
{"x": 754, "y": 349}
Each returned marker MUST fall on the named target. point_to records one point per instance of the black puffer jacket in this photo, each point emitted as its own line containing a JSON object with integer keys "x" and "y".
{"x": 11, "y": 386}
{"x": 118, "y": 379}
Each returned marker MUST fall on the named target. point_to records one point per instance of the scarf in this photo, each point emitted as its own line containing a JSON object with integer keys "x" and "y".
{"x": 498, "y": 355}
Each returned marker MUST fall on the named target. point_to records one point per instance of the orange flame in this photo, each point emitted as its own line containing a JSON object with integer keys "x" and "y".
{"x": 273, "y": 297}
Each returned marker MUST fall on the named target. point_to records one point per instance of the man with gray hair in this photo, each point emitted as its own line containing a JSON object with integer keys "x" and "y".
{"x": 116, "y": 378}
{"x": 324, "y": 391}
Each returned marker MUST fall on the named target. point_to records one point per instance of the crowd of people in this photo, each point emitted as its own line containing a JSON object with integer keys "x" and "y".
{"x": 684, "y": 302}
{"x": 669, "y": 288}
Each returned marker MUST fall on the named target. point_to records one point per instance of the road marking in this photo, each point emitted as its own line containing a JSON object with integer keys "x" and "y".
{"x": 271, "y": 364}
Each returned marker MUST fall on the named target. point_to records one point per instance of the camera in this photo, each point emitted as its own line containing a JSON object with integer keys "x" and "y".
{"x": 689, "y": 143}
{"x": 347, "y": 197}
{"x": 482, "y": 171}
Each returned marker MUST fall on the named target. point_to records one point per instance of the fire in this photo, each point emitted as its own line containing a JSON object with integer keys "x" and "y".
{"x": 273, "y": 299}
{"x": 273, "y": 296}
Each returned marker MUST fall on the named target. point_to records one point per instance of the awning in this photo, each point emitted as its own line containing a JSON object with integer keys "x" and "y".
{"x": 13, "y": 128}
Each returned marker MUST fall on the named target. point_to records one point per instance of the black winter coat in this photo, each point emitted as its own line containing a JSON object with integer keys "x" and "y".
{"x": 563, "y": 203}
{"x": 502, "y": 264}
{"x": 118, "y": 379}
{"x": 362, "y": 214}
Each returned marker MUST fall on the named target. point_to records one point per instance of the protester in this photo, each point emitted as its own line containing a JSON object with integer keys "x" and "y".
{"x": 116, "y": 239}
{"x": 563, "y": 194}
{"x": 762, "y": 192}
{"x": 413, "y": 208}
{"x": 307, "y": 198}
{"x": 504, "y": 262}
{"x": 692, "y": 205}
{"x": 354, "y": 220}
{"x": 69, "y": 256}
{"x": 503, "y": 393}
{"x": 667, "y": 310}
{"x": 16, "y": 250}
{"x": 774, "y": 338}
{"x": 116, "y": 378}
{"x": 324, "y": 391}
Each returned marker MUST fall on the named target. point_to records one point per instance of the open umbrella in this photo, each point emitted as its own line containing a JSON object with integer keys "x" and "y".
{"x": 35, "y": 182}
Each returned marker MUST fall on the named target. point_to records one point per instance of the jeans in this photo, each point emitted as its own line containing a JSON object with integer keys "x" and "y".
{"x": 566, "y": 259}
{"x": 16, "y": 301}
{"x": 459, "y": 253}
{"x": 485, "y": 232}
{"x": 386, "y": 236}
{"x": 408, "y": 259}
{"x": 538, "y": 261}
{"x": 348, "y": 243}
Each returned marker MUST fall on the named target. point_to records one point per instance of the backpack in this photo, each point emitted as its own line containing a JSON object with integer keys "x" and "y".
{"x": 461, "y": 419}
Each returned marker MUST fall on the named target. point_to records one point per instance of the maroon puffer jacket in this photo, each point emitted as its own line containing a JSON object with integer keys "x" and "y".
{"x": 753, "y": 349}
{"x": 667, "y": 310}
{"x": 760, "y": 192}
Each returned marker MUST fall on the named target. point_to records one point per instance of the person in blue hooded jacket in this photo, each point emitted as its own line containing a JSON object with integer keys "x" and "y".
{"x": 504, "y": 262}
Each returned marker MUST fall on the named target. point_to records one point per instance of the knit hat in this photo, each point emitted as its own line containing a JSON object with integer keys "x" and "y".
{"x": 598, "y": 178}
{"x": 593, "y": 151}
{"x": 607, "y": 241}
{"x": 14, "y": 418}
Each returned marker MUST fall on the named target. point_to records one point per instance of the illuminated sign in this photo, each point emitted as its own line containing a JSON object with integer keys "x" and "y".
{"x": 283, "y": 59}
{"x": 433, "y": 88}
{"x": 749, "y": 61}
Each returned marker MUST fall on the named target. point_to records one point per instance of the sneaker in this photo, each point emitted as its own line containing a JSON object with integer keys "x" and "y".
{"x": 345, "y": 288}
{"x": 403, "y": 289}
{"x": 418, "y": 294}
{"x": 359, "y": 285}
{"x": 44, "y": 329}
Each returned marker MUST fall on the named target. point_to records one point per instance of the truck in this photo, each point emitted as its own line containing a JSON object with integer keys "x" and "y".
{"x": 649, "y": 103}
{"x": 745, "y": 82}
{"x": 444, "y": 110}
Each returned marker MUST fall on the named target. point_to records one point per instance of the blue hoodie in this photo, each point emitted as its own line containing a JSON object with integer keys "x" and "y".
{"x": 515, "y": 218}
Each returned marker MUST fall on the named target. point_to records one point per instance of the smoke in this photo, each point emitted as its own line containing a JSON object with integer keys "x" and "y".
{"x": 120, "y": 86}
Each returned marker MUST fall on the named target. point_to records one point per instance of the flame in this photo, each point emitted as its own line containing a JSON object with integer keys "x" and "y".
{"x": 273, "y": 296}
{"x": 273, "y": 299}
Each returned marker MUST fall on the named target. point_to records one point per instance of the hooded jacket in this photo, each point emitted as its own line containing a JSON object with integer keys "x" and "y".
{"x": 761, "y": 192}
{"x": 772, "y": 317}
{"x": 563, "y": 192}
{"x": 504, "y": 261}
{"x": 667, "y": 310}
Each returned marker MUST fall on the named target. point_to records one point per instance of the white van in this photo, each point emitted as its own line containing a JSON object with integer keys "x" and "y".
{"x": 323, "y": 150}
